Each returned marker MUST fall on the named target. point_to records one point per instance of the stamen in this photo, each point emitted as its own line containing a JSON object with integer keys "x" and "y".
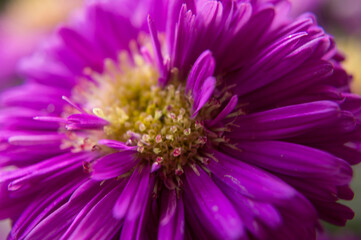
{"x": 177, "y": 152}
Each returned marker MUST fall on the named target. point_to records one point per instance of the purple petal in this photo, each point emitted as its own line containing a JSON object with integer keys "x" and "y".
{"x": 65, "y": 214}
{"x": 156, "y": 47}
{"x": 248, "y": 180}
{"x": 294, "y": 160}
{"x": 42, "y": 206}
{"x": 285, "y": 122}
{"x": 212, "y": 208}
{"x": 293, "y": 84}
{"x": 116, "y": 144}
{"x": 201, "y": 70}
{"x": 352, "y": 154}
{"x": 171, "y": 217}
{"x": 203, "y": 95}
{"x": 26, "y": 140}
{"x": 194, "y": 229}
{"x": 23, "y": 178}
{"x": 352, "y": 102}
{"x": 113, "y": 165}
{"x": 85, "y": 121}
{"x": 253, "y": 212}
{"x": 333, "y": 212}
{"x": 273, "y": 62}
{"x": 169, "y": 200}
{"x": 129, "y": 204}
{"x": 82, "y": 47}
{"x": 136, "y": 227}
{"x": 95, "y": 220}
{"x": 74, "y": 105}
{"x": 225, "y": 111}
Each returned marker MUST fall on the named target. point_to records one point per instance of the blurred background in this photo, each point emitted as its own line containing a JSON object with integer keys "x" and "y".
{"x": 24, "y": 23}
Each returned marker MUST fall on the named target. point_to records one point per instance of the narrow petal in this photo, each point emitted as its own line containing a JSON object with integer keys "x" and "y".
{"x": 249, "y": 180}
{"x": 85, "y": 121}
{"x": 333, "y": 212}
{"x": 213, "y": 209}
{"x": 286, "y": 121}
{"x": 113, "y": 165}
{"x": 129, "y": 204}
{"x": 253, "y": 212}
{"x": 201, "y": 70}
{"x": 26, "y": 177}
{"x": 65, "y": 214}
{"x": 116, "y": 144}
{"x": 172, "y": 220}
{"x": 26, "y": 140}
{"x": 225, "y": 111}
{"x": 204, "y": 95}
{"x": 136, "y": 226}
{"x": 82, "y": 47}
{"x": 97, "y": 221}
{"x": 42, "y": 206}
{"x": 156, "y": 47}
{"x": 294, "y": 160}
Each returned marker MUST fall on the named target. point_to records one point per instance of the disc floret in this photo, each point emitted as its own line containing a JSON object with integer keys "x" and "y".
{"x": 156, "y": 120}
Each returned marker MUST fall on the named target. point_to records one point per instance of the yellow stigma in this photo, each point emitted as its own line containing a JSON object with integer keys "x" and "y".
{"x": 157, "y": 120}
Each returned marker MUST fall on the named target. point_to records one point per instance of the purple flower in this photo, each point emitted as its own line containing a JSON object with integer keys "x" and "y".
{"x": 180, "y": 120}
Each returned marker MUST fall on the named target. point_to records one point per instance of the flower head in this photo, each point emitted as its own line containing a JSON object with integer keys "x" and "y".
{"x": 200, "y": 120}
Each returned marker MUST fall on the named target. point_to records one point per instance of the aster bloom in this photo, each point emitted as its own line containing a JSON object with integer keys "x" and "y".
{"x": 180, "y": 120}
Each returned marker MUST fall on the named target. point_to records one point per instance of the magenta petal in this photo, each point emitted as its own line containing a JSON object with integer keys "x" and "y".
{"x": 333, "y": 212}
{"x": 169, "y": 206}
{"x": 201, "y": 70}
{"x": 226, "y": 110}
{"x": 85, "y": 121}
{"x": 98, "y": 222}
{"x": 116, "y": 144}
{"x": 129, "y": 203}
{"x": 248, "y": 180}
{"x": 113, "y": 165}
{"x": 46, "y": 139}
{"x": 138, "y": 200}
{"x": 252, "y": 211}
{"x": 156, "y": 47}
{"x": 25, "y": 177}
{"x": 172, "y": 221}
{"x": 136, "y": 226}
{"x": 81, "y": 46}
{"x": 203, "y": 95}
{"x": 285, "y": 122}
{"x": 212, "y": 208}
{"x": 42, "y": 206}
{"x": 294, "y": 160}
{"x": 65, "y": 214}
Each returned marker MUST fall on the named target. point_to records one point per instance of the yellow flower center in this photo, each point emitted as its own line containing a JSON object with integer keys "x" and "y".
{"x": 157, "y": 120}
